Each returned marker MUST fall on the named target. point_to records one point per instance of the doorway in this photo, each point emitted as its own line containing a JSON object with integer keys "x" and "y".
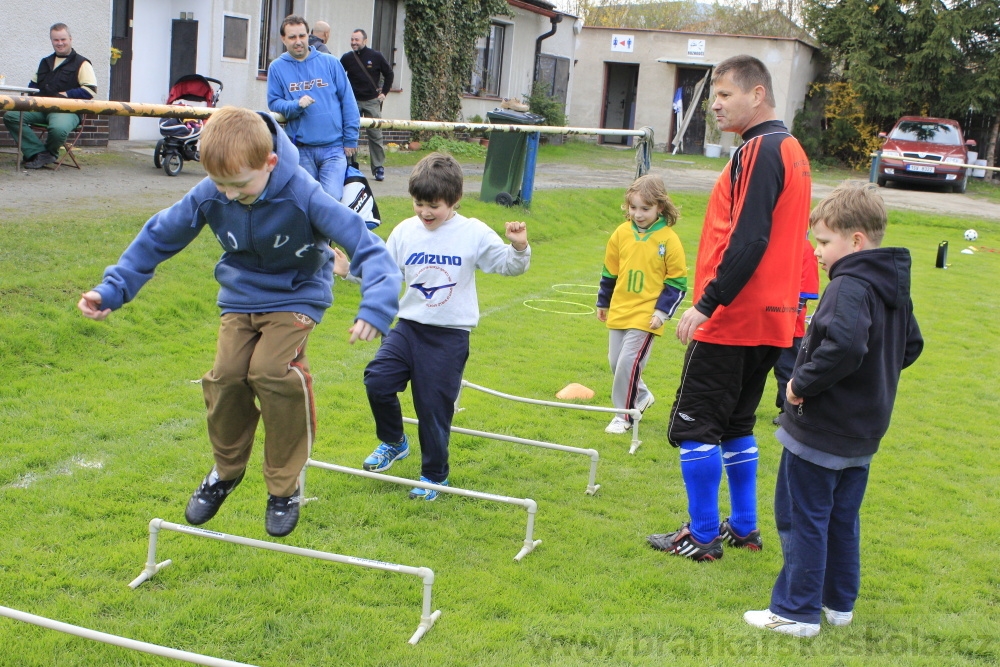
{"x": 121, "y": 71}
{"x": 694, "y": 136}
{"x": 183, "y": 48}
{"x": 620, "y": 83}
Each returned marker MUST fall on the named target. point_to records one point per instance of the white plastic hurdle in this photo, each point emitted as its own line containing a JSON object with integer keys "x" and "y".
{"x": 115, "y": 640}
{"x": 592, "y": 486}
{"x": 427, "y": 618}
{"x": 527, "y": 503}
{"x": 635, "y": 413}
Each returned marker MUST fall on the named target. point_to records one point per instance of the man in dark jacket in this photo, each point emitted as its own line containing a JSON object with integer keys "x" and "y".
{"x": 364, "y": 67}
{"x": 63, "y": 73}
{"x": 319, "y": 35}
{"x": 838, "y": 405}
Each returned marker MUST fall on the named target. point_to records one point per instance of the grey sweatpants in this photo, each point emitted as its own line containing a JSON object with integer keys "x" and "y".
{"x": 628, "y": 352}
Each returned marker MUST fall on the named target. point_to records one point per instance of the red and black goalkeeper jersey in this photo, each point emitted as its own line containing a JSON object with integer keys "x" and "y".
{"x": 749, "y": 267}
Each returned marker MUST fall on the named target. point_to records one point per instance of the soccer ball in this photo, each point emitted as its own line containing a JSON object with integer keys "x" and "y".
{"x": 971, "y": 235}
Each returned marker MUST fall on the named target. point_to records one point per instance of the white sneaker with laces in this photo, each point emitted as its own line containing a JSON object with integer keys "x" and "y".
{"x": 650, "y": 399}
{"x": 765, "y": 619}
{"x": 618, "y": 426}
{"x": 838, "y": 617}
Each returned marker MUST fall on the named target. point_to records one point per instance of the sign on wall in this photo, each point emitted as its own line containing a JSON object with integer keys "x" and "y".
{"x": 622, "y": 43}
{"x": 696, "y": 47}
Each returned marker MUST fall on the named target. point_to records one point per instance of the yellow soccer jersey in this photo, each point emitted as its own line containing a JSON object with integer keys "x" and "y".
{"x": 642, "y": 265}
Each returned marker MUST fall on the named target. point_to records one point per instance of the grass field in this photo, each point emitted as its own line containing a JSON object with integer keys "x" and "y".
{"x": 102, "y": 429}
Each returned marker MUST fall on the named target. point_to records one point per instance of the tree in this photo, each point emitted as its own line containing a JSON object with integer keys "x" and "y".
{"x": 440, "y": 45}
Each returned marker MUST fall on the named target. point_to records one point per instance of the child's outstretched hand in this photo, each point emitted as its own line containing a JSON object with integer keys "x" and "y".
{"x": 341, "y": 263}
{"x": 90, "y": 306}
{"x": 362, "y": 331}
{"x": 517, "y": 234}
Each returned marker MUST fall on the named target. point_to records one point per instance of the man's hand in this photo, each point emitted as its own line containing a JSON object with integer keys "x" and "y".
{"x": 517, "y": 234}
{"x": 90, "y": 306}
{"x": 349, "y": 151}
{"x": 381, "y": 97}
{"x": 362, "y": 331}
{"x": 688, "y": 324}
{"x": 305, "y": 101}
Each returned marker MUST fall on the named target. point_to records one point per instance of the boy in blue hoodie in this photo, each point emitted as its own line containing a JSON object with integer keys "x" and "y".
{"x": 311, "y": 90}
{"x": 275, "y": 225}
{"x": 839, "y": 402}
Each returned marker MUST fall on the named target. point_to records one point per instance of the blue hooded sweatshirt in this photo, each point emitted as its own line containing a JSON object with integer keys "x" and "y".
{"x": 333, "y": 118}
{"x": 276, "y": 251}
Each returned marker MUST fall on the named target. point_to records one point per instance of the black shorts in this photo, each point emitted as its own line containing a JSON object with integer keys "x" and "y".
{"x": 720, "y": 390}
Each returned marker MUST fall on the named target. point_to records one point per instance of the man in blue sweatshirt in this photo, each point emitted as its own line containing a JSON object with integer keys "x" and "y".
{"x": 311, "y": 90}
{"x": 275, "y": 226}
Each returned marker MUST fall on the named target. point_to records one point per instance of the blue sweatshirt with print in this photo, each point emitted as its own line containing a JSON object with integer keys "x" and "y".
{"x": 276, "y": 251}
{"x": 333, "y": 118}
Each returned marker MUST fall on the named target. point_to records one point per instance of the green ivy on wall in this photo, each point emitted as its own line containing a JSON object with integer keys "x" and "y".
{"x": 440, "y": 45}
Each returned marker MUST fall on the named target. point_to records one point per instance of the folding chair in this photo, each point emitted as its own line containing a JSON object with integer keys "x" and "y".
{"x": 70, "y": 142}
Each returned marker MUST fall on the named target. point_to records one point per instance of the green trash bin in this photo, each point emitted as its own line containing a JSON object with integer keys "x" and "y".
{"x": 505, "y": 154}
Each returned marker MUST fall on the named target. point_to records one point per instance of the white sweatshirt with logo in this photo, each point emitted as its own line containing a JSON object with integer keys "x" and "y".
{"x": 439, "y": 268}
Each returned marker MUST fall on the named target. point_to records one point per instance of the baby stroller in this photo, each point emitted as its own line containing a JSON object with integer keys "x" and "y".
{"x": 180, "y": 137}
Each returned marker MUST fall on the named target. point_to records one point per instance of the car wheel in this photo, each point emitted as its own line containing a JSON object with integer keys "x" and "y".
{"x": 882, "y": 182}
{"x": 960, "y": 186}
{"x": 158, "y": 154}
{"x": 172, "y": 164}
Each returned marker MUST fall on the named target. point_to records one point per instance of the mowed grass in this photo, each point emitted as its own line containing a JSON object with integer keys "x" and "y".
{"x": 102, "y": 429}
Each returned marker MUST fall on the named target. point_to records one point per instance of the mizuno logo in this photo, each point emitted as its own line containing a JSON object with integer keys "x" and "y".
{"x": 425, "y": 258}
{"x": 429, "y": 292}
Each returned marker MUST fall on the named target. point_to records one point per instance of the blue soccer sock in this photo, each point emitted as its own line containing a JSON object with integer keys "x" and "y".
{"x": 740, "y": 460}
{"x": 701, "y": 467}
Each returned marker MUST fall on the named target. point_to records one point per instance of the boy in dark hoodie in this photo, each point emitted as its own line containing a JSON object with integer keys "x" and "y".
{"x": 275, "y": 225}
{"x": 838, "y": 405}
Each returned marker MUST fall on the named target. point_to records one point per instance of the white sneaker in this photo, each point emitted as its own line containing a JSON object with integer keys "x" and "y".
{"x": 838, "y": 617}
{"x": 765, "y": 619}
{"x": 618, "y": 426}
{"x": 650, "y": 399}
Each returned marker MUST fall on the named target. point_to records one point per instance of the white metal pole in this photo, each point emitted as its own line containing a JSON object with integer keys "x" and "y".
{"x": 530, "y": 505}
{"x": 86, "y": 633}
{"x": 592, "y": 453}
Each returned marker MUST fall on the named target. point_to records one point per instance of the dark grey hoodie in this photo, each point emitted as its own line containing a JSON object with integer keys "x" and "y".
{"x": 861, "y": 337}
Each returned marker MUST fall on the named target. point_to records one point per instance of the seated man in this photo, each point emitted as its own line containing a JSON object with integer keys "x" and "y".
{"x": 64, "y": 73}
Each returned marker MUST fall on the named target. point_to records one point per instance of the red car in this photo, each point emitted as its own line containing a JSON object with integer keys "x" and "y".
{"x": 939, "y": 149}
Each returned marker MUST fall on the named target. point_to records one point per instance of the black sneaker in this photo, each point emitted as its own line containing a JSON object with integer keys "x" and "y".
{"x": 750, "y": 542}
{"x": 282, "y": 514}
{"x": 40, "y": 160}
{"x": 379, "y": 174}
{"x": 207, "y": 498}
{"x": 681, "y": 543}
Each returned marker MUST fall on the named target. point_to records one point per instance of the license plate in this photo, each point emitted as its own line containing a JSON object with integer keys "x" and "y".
{"x": 924, "y": 169}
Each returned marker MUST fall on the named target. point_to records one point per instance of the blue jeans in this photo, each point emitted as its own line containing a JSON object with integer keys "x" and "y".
{"x": 816, "y": 512}
{"x": 328, "y": 165}
{"x": 433, "y": 360}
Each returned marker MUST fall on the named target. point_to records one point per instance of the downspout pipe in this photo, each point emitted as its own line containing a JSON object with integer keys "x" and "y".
{"x": 555, "y": 20}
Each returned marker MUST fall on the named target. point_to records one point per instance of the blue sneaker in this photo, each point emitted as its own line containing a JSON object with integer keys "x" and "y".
{"x": 426, "y": 494}
{"x": 385, "y": 455}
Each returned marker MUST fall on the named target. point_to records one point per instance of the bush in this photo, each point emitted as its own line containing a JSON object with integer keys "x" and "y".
{"x": 457, "y": 149}
{"x": 542, "y": 103}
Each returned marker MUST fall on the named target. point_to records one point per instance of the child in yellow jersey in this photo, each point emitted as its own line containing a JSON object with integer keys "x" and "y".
{"x": 643, "y": 281}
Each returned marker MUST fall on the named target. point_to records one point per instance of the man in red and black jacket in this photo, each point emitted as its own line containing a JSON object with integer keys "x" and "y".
{"x": 63, "y": 73}
{"x": 746, "y": 297}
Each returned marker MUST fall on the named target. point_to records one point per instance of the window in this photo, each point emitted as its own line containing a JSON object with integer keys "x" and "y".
{"x": 272, "y": 13}
{"x": 554, "y": 71}
{"x": 489, "y": 62}
{"x": 235, "y": 35}
{"x": 384, "y": 30}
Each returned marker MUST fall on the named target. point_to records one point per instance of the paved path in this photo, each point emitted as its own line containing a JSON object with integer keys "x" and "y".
{"x": 126, "y": 173}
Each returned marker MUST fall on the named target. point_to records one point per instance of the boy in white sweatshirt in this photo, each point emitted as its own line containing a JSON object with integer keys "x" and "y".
{"x": 438, "y": 250}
